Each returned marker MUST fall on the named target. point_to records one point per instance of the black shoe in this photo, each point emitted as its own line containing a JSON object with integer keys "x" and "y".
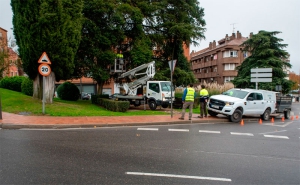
{"x": 190, "y": 119}
{"x": 200, "y": 116}
{"x": 181, "y": 118}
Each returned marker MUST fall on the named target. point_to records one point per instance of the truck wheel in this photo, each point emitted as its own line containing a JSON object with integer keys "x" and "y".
{"x": 266, "y": 115}
{"x": 212, "y": 113}
{"x": 287, "y": 114}
{"x": 236, "y": 116}
{"x": 152, "y": 105}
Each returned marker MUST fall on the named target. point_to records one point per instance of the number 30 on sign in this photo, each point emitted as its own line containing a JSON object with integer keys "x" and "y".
{"x": 44, "y": 69}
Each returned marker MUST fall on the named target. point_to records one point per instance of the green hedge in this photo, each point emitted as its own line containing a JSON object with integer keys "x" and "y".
{"x": 94, "y": 98}
{"x": 12, "y": 83}
{"x": 116, "y": 106}
{"x": 27, "y": 86}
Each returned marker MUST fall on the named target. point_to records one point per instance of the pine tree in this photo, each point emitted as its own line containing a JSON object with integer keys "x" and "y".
{"x": 266, "y": 52}
{"x": 51, "y": 26}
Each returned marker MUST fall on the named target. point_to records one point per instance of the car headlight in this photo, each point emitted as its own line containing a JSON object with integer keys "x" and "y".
{"x": 229, "y": 103}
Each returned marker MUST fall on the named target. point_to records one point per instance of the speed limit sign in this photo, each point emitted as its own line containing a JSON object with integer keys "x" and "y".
{"x": 44, "y": 69}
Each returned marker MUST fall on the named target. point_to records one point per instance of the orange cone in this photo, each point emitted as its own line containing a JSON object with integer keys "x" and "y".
{"x": 272, "y": 120}
{"x": 292, "y": 118}
{"x": 260, "y": 121}
{"x": 297, "y": 117}
{"x": 282, "y": 119}
{"x": 242, "y": 122}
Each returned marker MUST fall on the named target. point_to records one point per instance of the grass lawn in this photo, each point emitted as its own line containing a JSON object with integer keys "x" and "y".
{"x": 18, "y": 103}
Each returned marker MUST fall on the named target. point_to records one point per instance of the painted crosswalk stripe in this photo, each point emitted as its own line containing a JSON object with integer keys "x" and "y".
{"x": 210, "y": 131}
{"x": 274, "y": 136}
{"x": 179, "y": 130}
{"x": 179, "y": 176}
{"x": 152, "y": 129}
{"x": 241, "y": 134}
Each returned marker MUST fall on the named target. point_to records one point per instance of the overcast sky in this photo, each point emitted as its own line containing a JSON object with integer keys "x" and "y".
{"x": 220, "y": 15}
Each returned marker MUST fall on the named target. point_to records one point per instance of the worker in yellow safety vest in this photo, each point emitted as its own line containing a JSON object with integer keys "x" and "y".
{"x": 203, "y": 101}
{"x": 188, "y": 101}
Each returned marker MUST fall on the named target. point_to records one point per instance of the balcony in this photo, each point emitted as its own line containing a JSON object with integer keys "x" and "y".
{"x": 229, "y": 73}
{"x": 231, "y": 60}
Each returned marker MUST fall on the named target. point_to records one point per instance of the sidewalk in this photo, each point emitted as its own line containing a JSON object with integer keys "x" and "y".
{"x": 15, "y": 121}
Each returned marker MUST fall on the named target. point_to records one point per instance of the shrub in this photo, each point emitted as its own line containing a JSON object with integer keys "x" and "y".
{"x": 116, "y": 106}
{"x": 12, "y": 83}
{"x": 27, "y": 87}
{"x": 68, "y": 91}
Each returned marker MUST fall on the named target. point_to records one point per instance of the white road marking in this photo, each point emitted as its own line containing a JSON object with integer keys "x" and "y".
{"x": 274, "y": 136}
{"x": 179, "y": 176}
{"x": 152, "y": 129}
{"x": 179, "y": 130}
{"x": 279, "y": 125}
{"x": 209, "y": 131}
{"x": 273, "y": 132}
{"x": 241, "y": 134}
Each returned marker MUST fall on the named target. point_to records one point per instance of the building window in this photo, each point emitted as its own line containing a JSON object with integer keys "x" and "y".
{"x": 245, "y": 54}
{"x": 231, "y": 53}
{"x": 228, "y": 67}
{"x": 228, "y": 78}
{"x": 215, "y": 69}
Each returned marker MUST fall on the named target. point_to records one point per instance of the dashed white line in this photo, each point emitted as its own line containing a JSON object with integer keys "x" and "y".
{"x": 179, "y": 176}
{"x": 274, "y": 136}
{"x": 179, "y": 130}
{"x": 241, "y": 134}
{"x": 210, "y": 131}
{"x": 152, "y": 129}
{"x": 273, "y": 132}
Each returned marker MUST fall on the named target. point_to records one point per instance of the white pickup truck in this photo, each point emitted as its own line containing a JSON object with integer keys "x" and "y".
{"x": 235, "y": 103}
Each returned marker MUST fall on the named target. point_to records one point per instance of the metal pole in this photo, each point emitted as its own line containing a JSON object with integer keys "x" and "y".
{"x": 43, "y": 94}
{"x": 172, "y": 87}
{"x": 0, "y": 108}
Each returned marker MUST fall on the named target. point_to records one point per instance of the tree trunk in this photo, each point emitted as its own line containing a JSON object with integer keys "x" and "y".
{"x": 100, "y": 87}
{"x": 49, "y": 87}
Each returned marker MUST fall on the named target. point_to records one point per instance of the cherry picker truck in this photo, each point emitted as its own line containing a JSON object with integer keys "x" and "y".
{"x": 143, "y": 90}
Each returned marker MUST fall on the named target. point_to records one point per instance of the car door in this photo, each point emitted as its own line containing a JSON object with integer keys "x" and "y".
{"x": 250, "y": 104}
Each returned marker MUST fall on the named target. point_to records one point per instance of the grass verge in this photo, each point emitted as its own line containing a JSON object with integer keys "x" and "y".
{"x": 18, "y": 103}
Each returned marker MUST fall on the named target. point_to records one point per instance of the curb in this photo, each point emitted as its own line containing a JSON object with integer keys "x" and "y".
{"x": 93, "y": 125}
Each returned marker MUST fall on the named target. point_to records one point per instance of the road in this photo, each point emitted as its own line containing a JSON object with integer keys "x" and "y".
{"x": 225, "y": 153}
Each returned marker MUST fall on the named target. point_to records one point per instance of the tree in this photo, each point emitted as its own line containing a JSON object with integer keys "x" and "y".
{"x": 4, "y": 64}
{"x": 296, "y": 79}
{"x": 179, "y": 23}
{"x": 266, "y": 52}
{"x": 51, "y": 26}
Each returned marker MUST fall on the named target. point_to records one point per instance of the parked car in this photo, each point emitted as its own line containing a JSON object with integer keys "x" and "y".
{"x": 235, "y": 103}
{"x": 85, "y": 96}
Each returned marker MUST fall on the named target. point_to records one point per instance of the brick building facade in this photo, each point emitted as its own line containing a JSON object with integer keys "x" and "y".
{"x": 217, "y": 62}
{"x": 13, "y": 60}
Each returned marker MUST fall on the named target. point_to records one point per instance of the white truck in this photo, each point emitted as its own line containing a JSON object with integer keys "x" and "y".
{"x": 143, "y": 91}
{"x": 235, "y": 103}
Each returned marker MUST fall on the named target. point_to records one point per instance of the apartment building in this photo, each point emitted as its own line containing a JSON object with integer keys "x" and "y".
{"x": 218, "y": 61}
{"x": 13, "y": 58}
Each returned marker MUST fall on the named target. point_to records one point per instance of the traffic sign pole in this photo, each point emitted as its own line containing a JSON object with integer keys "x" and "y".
{"x": 44, "y": 70}
{"x": 44, "y": 94}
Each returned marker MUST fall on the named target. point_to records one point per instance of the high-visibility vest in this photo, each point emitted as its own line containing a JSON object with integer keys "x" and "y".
{"x": 190, "y": 94}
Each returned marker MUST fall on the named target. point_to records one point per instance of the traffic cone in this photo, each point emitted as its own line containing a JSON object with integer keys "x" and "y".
{"x": 292, "y": 118}
{"x": 260, "y": 121}
{"x": 242, "y": 122}
{"x": 272, "y": 120}
{"x": 297, "y": 117}
{"x": 282, "y": 119}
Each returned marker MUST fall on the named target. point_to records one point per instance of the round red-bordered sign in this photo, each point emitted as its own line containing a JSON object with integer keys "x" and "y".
{"x": 44, "y": 69}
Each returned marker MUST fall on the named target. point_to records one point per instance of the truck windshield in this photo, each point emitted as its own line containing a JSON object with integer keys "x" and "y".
{"x": 236, "y": 93}
{"x": 166, "y": 86}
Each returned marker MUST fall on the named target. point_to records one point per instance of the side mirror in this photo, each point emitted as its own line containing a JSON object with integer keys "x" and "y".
{"x": 250, "y": 99}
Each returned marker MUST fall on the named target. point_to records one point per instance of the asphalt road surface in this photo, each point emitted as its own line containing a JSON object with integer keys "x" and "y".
{"x": 225, "y": 153}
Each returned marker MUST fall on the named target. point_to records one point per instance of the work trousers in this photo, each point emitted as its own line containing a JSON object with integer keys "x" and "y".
{"x": 186, "y": 105}
{"x": 203, "y": 109}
